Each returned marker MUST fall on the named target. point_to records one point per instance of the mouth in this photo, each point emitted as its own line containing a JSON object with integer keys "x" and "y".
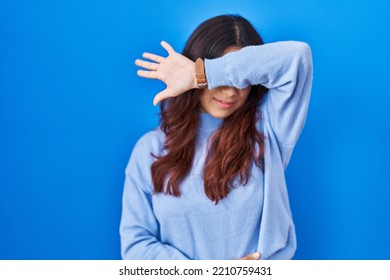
{"x": 225, "y": 104}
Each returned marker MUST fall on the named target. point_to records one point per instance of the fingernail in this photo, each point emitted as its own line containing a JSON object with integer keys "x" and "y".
{"x": 256, "y": 255}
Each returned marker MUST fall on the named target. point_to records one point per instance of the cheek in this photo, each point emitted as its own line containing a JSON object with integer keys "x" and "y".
{"x": 205, "y": 97}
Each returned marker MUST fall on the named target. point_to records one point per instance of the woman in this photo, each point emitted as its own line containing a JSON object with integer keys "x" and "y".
{"x": 209, "y": 182}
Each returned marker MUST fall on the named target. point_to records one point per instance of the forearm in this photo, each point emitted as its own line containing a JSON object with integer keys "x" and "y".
{"x": 137, "y": 245}
{"x": 271, "y": 65}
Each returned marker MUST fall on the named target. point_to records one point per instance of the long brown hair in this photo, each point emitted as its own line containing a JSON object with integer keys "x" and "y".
{"x": 235, "y": 145}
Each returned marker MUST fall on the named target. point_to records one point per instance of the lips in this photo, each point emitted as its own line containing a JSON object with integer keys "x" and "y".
{"x": 224, "y": 104}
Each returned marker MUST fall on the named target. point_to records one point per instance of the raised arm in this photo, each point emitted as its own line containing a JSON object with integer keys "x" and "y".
{"x": 283, "y": 67}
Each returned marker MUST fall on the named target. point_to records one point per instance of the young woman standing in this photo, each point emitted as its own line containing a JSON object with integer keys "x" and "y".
{"x": 209, "y": 182}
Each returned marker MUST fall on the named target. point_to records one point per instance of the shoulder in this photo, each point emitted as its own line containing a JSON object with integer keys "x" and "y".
{"x": 142, "y": 157}
{"x": 137, "y": 170}
{"x": 151, "y": 142}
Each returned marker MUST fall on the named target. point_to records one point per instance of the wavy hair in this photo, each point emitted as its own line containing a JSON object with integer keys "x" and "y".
{"x": 235, "y": 145}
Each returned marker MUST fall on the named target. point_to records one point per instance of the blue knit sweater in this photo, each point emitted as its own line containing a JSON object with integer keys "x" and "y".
{"x": 253, "y": 218}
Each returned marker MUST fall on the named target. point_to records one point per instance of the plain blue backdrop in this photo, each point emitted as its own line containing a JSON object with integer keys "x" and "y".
{"x": 72, "y": 108}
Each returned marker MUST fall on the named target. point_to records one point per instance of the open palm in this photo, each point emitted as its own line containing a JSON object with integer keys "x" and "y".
{"x": 175, "y": 70}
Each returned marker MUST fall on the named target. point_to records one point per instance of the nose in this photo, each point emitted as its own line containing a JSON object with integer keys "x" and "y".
{"x": 230, "y": 91}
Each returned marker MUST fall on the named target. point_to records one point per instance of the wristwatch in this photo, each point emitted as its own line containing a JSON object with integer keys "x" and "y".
{"x": 201, "y": 80}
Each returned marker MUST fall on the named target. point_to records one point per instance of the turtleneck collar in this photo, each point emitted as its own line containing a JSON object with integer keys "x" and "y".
{"x": 208, "y": 123}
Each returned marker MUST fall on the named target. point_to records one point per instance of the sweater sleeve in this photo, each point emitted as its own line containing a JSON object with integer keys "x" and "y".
{"x": 285, "y": 68}
{"x": 139, "y": 228}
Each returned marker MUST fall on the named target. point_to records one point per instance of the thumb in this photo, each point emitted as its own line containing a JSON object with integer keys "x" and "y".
{"x": 161, "y": 96}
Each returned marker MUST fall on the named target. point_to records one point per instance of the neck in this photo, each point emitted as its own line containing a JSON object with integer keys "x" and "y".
{"x": 208, "y": 123}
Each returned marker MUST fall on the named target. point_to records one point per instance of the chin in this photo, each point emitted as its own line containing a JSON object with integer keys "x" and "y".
{"x": 220, "y": 115}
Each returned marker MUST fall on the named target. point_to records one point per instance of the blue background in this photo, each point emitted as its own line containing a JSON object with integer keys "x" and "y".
{"x": 72, "y": 107}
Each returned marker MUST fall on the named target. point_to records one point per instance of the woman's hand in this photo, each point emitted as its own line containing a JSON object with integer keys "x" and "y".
{"x": 253, "y": 256}
{"x": 175, "y": 70}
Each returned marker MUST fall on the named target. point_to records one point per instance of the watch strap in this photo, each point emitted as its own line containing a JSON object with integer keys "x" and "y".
{"x": 201, "y": 80}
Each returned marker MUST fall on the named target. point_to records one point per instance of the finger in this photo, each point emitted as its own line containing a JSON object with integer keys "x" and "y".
{"x": 161, "y": 96}
{"x": 167, "y": 47}
{"x": 253, "y": 256}
{"x": 147, "y": 74}
{"x": 153, "y": 57}
{"x": 146, "y": 64}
